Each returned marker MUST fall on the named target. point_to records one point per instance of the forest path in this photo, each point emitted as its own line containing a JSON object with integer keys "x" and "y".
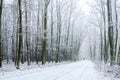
{"x": 83, "y": 70}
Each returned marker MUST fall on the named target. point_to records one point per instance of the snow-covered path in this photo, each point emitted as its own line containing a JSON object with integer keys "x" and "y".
{"x": 83, "y": 70}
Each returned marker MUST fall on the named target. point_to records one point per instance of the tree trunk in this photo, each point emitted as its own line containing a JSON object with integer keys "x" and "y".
{"x": 110, "y": 31}
{"x": 116, "y": 38}
{"x": 51, "y": 29}
{"x": 44, "y": 42}
{"x": 38, "y": 34}
{"x": 119, "y": 55}
{"x": 58, "y": 30}
{"x": 20, "y": 35}
{"x": 1, "y": 3}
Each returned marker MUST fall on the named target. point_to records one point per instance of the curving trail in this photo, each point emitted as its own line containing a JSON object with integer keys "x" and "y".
{"x": 83, "y": 70}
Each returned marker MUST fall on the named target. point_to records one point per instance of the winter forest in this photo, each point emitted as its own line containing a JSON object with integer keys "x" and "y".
{"x": 64, "y": 34}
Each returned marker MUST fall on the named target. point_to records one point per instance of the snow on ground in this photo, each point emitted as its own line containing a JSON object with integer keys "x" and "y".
{"x": 83, "y": 70}
{"x": 111, "y": 71}
{"x": 10, "y": 67}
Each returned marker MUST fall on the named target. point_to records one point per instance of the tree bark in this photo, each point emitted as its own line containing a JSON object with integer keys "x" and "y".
{"x": 44, "y": 42}
{"x": 110, "y": 31}
{"x": 1, "y": 3}
{"x": 20, "y": 36}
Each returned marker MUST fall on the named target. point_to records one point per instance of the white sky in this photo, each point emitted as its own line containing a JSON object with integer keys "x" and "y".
{"x": 84, "y": 5}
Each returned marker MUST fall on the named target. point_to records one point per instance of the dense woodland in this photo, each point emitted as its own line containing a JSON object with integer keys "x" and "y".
{"x": 107, "y": 20}
{"x": 54, "y": 30}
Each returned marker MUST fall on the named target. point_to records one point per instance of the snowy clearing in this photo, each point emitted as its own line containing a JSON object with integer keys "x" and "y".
{"x": 83, "y": 70}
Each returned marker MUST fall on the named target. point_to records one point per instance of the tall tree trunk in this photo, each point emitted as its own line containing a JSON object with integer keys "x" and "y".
{"x": 58, "y": 30}
{"x": 105, "y": 36}
{"x": 119, "y": 55}
{"x": 1, "y": 3}
{"x": 72, "y": 53}
{"x": 68, "y": 32}
{"x": 27, "y": 32}
{"x": 44, "y": 42}
{"x": 110, "y": 31}
{"x": 13, "y": 33}
{"x": 52, "y": 28}
{"x": 116, "y": 38}
{"x": 38, "y": 34}
{"x": 101, "y": 37}
{"x": 20, "y": 35}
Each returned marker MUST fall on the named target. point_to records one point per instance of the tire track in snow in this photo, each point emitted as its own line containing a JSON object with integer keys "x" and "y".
{"x": 9, "y": 75}
{"x": 70, "y": 73}
{"x": 83, "y": 70}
